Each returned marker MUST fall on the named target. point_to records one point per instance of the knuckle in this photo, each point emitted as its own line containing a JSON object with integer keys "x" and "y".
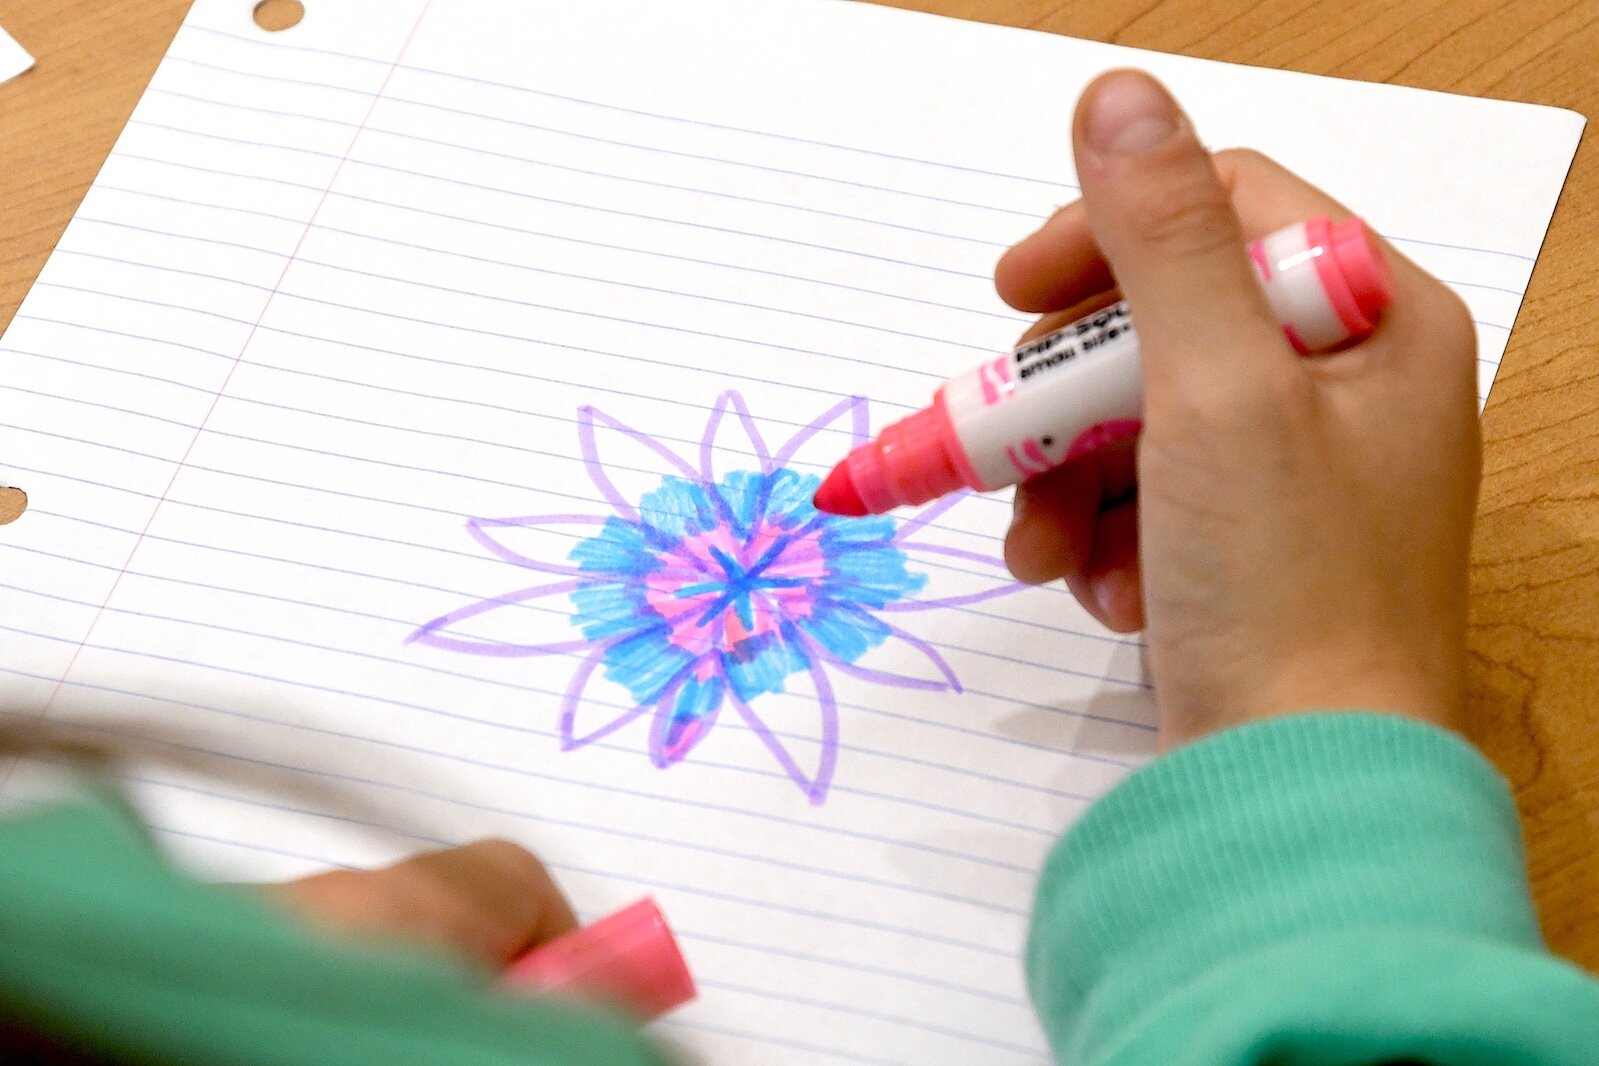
{"x": 1455, "y": 331}
{"x": 1436, "y": 320}
{"x": 1287, "y": 399}
{"x": 492, "y": 845}
{"x": 1207, "y": 407}
{"x": 422, "y": 903}
{"x": 372, "y": 899}
{"x": 1186, "y": 420}
{"x": 1191, "y": 219}
{"x": 339, "y": 887}
{"x": 1246, "y": 172}
{"x": 1454, "y": 316}
{"x": 511, "y": 859}
{"x": 1245, "y": 162}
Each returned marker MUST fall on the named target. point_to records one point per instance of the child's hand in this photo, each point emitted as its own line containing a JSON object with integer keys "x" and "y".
{"x": 489, "y": 901}
{"x": 1301, "y": 529}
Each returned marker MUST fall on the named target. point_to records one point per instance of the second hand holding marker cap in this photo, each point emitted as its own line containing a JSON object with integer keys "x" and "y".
{"x": 1025, "y": 413}
{"x": 628, "y": 960}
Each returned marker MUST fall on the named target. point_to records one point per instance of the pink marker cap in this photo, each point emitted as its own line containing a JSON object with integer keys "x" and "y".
{"x": 1353, "y": 272}
{"x": 1363, "y": 266}
{"x": 628, "y": 959}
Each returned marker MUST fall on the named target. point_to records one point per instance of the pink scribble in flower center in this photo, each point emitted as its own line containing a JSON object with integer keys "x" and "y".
{"x": 716, "y": 591}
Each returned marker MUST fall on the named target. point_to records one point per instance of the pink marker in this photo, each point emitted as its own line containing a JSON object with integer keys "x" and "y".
{"x": 1019, "y": 415}
{"x": 629, "y": 960}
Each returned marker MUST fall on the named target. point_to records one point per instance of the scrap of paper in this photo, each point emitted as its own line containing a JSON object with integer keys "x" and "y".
{"x": 14, "y": 59}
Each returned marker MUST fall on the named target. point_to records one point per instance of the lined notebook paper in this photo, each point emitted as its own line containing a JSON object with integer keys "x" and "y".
{"x": 419, "y": 419}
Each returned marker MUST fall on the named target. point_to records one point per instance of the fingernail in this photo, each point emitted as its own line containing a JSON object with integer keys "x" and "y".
{"x": 1021, "y": 541}
{"x": 1103, "y": 435}
{"x": 1019, "y": 506}
{"x": 1042, "y": 226}
{"x": 1105, "y": 594}
{"x": 1130, "y": 113}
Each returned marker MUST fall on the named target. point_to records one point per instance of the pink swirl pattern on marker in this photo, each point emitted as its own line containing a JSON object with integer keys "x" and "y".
{"x": 996, "y": 380}
{"x": 1030, "y": 460}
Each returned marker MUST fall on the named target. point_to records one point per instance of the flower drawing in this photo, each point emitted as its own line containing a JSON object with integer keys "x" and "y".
{"x": 720, "y": 586}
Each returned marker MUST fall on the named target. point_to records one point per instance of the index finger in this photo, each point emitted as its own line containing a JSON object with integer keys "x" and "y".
{"x": 1060, "y": 264}
{"x": 488, "y": 901}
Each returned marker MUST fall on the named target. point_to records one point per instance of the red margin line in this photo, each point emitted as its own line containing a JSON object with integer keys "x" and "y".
{"x": 217, "y": 397}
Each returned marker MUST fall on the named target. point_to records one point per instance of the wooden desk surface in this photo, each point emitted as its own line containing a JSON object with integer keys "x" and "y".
{"x": 1535, "y": 634}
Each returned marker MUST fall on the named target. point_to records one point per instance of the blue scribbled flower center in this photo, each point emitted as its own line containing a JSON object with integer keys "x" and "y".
{"x": 731, "y": 588}
{"x": 739, "y": 585}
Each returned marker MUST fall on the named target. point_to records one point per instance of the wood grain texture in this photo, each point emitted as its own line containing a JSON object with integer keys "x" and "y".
{"x": 1535, "y": 632}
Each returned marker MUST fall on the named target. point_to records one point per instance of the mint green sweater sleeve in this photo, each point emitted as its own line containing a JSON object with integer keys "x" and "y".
{"x": 105, "y": 947}
{"x": 1322, "y": 890}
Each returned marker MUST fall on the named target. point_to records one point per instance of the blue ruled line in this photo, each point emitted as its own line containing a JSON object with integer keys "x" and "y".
{"x": 1053, "y": 183}
{"x": 534, "y": 161}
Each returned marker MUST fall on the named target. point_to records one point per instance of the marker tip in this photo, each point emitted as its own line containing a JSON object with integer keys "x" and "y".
{"x": 838, "y": 494}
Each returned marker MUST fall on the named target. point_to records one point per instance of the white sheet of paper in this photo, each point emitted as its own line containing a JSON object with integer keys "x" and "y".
{"x": 347, "y": 297}
{"x": 14, "y": 59}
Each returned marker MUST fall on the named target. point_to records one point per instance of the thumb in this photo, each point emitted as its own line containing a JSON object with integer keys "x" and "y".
{"x": 1166, "y": 225}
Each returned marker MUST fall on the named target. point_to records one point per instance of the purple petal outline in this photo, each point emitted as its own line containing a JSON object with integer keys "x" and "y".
{"x": 927, "y": 514}
{"x": 953, "y": 553}
{"x": 734, "y": 401}
{"x": 813, "y": 785}
{"x": 428, "y": 633}
{"x": 860, "y": 428}
{"x": 963, "y": 600}
{"x": 572, "y": 701}
{"x": 663, "y": 715}
{"x": 951, "y": 682}
{"x": 477, "y": 529}
{"x": 587, "y": 418}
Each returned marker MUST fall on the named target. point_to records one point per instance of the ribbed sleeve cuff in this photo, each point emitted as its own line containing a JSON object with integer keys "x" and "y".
{"x": 1261, "y": 834}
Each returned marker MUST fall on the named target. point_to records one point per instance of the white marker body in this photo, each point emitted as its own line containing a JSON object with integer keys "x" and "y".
{"x": 1016, "y": 416}
{"x": 1285, "y": 265}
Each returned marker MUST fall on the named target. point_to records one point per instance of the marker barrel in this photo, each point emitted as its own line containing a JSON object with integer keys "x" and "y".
{"x": 1020, "y": 414}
